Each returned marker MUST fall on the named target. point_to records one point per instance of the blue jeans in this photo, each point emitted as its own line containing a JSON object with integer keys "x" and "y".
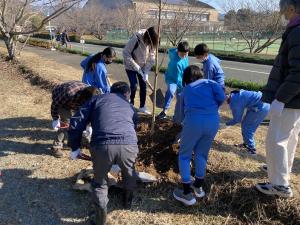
{"x": 197, "y": 136}
{"x": 134, "y": 77}
{"x": 172, "y": 88}
{"x": 251, "y": 122}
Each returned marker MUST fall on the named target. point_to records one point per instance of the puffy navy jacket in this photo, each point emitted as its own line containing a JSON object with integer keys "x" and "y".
{"x": 112, "y": 118}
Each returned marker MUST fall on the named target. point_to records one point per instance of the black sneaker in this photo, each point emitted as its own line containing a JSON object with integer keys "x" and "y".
{"x": 241, "y": 146}
{"x": 187, "y": 199}
{"x": 251, "y": 151}
{"x": 162, "y": 116}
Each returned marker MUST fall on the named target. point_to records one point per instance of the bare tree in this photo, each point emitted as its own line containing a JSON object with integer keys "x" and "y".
{"x": 16, "y": 18}
{"x": 160, "y": 4}
{"x": 180, "y": 21}
{"x": 130, "y": 19}
{"x": 258, "y": 22}
{"x": 91, "y": 20}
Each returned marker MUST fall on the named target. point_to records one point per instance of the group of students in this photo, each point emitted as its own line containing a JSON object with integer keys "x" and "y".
{"x": 199, "y": 92}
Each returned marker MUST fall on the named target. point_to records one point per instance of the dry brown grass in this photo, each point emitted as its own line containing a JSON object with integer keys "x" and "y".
{"x": 42, "y": 183}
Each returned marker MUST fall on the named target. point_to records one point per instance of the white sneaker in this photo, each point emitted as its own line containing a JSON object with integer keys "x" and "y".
{"x": 198, "y": 192}
{"x": 144, "y": 110}
{"x": 278, "y": 190}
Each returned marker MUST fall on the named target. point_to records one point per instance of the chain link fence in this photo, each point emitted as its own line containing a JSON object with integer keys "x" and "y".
{"x": 225, "y": 41}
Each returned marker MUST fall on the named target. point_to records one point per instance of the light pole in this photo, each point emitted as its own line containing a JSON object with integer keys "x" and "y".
{"x": 50, "y": 33}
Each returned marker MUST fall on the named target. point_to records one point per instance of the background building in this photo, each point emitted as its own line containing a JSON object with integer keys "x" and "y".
{"x": 196, "y": 14}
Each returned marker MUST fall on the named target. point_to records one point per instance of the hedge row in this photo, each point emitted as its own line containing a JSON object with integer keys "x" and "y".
{"x": 224, "y": 55}
{"x": 232, "y": 83}
{"x": 72, "y": 37}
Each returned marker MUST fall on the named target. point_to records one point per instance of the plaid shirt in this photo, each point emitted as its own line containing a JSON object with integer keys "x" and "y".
{"x": 66, "y": 95}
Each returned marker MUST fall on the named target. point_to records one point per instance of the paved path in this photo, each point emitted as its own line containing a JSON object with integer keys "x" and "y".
{"x": 235, "y": 70}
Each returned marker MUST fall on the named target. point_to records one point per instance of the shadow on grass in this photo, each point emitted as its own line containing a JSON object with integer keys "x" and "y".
{"x": 27, "y": 200}
{"x": 25, "y": 135}
{"x": 229, "y": 194}
{"x": 52, "y": 201}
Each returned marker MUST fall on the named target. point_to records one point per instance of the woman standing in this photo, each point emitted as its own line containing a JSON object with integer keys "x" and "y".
{"x": 139, "y": 58}
{"x": 95, "y": 72}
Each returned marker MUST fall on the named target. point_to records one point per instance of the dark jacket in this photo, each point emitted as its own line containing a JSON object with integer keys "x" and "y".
{"x": 284, "y": 80}
{"x": 112, "y": 118}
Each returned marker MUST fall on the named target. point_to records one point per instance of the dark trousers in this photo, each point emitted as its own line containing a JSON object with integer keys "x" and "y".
{"x": 134, "y": 77}
{"x": 62, "y": 134}
{"x": 103, "y": 157}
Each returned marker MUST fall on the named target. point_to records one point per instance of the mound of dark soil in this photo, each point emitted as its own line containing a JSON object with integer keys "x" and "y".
{"x": 158, "y": 151}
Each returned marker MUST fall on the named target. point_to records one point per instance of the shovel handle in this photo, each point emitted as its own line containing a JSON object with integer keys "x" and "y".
{"x": 149, "y": 84}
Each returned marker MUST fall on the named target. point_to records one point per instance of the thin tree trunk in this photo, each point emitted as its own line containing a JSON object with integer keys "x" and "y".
{"x": 10, "y": 46}
{"x": 156, "y": 69}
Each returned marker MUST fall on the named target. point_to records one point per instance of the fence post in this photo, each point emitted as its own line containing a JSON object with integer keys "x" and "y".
{"x": 225, "y": 42}
{"x": 214, "y": 40}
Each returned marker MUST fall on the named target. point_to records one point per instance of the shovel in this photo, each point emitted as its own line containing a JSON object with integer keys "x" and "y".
{"x": 160, "y": 99}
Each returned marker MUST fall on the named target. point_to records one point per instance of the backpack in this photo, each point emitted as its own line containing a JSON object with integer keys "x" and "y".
{"x": 135, "y": 47}
{"x": 58, "y": 37}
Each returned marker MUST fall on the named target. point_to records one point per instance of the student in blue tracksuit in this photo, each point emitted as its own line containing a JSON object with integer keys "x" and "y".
{"x": 178, "y": 63}
{"x": 211, "y": 64}
{"x": 256, "y": 111}
{"x": 95, "y": 72}
{"x": 199, "y": 104}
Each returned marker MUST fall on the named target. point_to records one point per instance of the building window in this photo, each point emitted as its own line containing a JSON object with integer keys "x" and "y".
{"x": 204, "y": 18}
{"x": 171, "y": 15}
{"x": 152, "y": 14}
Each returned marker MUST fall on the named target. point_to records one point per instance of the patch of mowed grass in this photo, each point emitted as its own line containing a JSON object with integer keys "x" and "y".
{"x": 232, "y": 83}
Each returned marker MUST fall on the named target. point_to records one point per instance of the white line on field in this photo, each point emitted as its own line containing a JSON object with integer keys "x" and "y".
{"x": 252, "y": 71}
{"x": 231, "y": 68}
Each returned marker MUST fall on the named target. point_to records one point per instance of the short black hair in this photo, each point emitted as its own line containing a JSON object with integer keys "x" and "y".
{"x": 120, "y": 87}
{"x": 191, "y": 74}
{"x": 201, "y": 49}
{"x": 183, "y": 47}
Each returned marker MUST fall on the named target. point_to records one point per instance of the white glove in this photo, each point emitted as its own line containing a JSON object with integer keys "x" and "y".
{"x": 276, "y": 108}
{"x": 55, "y": 124}
{"x": 145, "y": 77}
{"x": 88, "y": 131}
{"x": 75, "y": 154}
{"x": 141, "y": 72}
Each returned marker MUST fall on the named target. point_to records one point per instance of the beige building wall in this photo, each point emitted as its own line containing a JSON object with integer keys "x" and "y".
{"x": 150, "y": 8}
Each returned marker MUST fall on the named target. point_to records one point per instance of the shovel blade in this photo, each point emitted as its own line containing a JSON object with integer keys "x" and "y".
{"x": 160, "y": 99}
